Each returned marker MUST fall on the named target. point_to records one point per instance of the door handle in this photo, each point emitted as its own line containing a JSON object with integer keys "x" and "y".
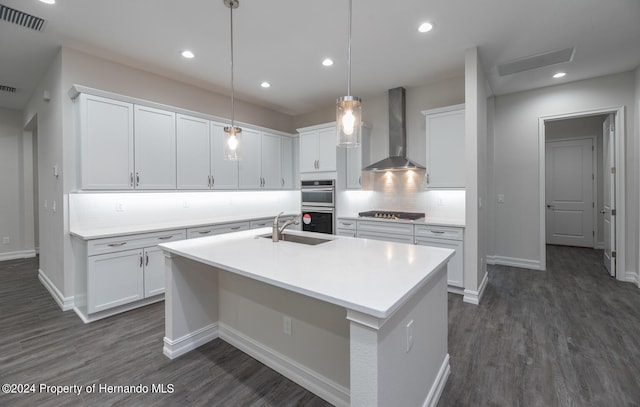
{"x": 551, "y": 206}
{"x": 146, "y": 262}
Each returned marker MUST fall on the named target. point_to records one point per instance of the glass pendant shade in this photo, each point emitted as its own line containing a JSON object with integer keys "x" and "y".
{"x": 348, "y": 121}
{"x": 231, "y": 142}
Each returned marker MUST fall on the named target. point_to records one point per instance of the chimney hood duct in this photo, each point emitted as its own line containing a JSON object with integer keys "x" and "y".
{"x": 397, "y": 159}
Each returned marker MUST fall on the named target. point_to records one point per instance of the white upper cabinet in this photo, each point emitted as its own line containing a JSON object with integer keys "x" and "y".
{"x": 271, "y": 161}
{"x": 318, "y": 148}
{"x": 287, "y": 156}
{"x": 260, "y": 161}
{"x": 193, "y": 152}
{"x": 224, "y": 173}
{"x": 249, "y": 163}
{"x": 352, "y": 160}
{"x": 155, "y": 148}
{"x": 445, "y": 147}
{"x": 106, "y": 143}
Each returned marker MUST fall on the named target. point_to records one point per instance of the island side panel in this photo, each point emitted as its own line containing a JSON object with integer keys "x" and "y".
{"x": 386, "y": 369}
{"x": 191, "y": 305}
{"x": 314, "y": 352}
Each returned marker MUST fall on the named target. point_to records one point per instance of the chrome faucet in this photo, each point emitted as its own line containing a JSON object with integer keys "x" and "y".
{"x": 276, "y": 233}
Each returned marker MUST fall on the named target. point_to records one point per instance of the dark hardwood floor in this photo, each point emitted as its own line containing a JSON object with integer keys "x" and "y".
{"x": 568, "y": 336}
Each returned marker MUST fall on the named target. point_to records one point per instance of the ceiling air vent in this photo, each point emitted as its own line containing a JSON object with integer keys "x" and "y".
{"x": 536, "y": 61}
{"x": 4, "y": 88}
{"x": 18, "y": 17}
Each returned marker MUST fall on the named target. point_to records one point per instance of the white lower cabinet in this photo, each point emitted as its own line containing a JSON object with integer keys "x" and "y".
{"x": 449, "y": 238}
{"x": 121, "y": 271}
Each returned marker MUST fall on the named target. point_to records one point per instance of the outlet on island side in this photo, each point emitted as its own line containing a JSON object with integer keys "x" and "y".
{"x": 6, "y": 240}
{"x": 409, "y": 335}
{"x": 287, "y": 325}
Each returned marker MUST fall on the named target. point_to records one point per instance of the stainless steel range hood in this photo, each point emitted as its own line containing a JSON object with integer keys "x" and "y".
{"x": 397, "y": 159}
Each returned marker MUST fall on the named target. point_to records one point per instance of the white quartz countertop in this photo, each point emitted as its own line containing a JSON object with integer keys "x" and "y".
{"x": 424, "y": 221}
{"x": 368, "y": 276}
{"x": 120, "y": 230}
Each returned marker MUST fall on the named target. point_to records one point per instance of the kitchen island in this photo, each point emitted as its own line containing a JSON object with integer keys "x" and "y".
{"x": 358, "y": 322}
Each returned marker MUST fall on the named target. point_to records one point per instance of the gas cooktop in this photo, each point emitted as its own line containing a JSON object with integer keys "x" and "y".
{"x": 392, "y": 215}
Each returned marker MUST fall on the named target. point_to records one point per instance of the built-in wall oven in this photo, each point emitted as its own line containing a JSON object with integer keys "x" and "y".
{"x": 318, "y": 206}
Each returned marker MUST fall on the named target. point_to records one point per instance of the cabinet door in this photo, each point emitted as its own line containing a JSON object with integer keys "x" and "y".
{"x": 155, "y": 148}
{"x": 354, "y": 167}
{"x": 327, "y": 149}
{"x": 106, "y": 140}
{"x": 114, "y": 279}
{"x": 308, "y": 151}
{"x": 224, "y": 173}
{"x": 271, "y": 161}
{"x": 153, "y": 271}
{"x": 455, "y": 270}
{"x": 249, "y": 165}
{"x": 287, "y": 162}
{"x": 193, "y": 152}
{"x": 445, "y": 149}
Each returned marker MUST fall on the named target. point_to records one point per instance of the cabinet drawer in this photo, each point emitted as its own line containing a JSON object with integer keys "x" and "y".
{"x": 439, "y": 232}
{"x": 386, "y": 237}
{"x": 217, "y": 229}
{"x": 346, "y": 232}
{"x": 386, "y": 227}
{"x": 129, "y": 242}
{"x": 346, "y": 224}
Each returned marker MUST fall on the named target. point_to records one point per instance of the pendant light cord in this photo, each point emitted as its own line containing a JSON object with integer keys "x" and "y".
{"x": 233, "y": 128}
{"x": 349, "y": 55}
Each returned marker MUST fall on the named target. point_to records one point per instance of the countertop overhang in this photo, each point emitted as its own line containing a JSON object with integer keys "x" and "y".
{"x": 369, "y": 276}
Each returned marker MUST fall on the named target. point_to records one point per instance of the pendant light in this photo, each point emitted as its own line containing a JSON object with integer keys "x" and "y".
{"x": 348, "y": 109}
{"x": 232, "y": 132}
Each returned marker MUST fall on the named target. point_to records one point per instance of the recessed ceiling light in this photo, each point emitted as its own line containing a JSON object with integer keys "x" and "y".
{"x": 327, "y": 62}
{"x": 265, "y": 84}
{"x": 188, "y": 54}
{"x": 425, "y": 27}
{"x": 48, "y": 1}
{"x": 559, "y": 75}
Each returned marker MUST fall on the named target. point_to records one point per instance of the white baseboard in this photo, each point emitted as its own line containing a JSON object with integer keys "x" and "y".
{"x": 599, "y": 246}
{"x": 20, "y": 254}
{"x": 323, "y": 387}
{"x": 474, "y": 297}
{"x": 174, "y": 348}
{"x": 438, "y": 385}
{"x": 455, "y": 290}
{"x": 631, "y": 277}
{"x": 515, "y": 262}
{"x": 117, "y": 310}
{"x": 65, "y": 303}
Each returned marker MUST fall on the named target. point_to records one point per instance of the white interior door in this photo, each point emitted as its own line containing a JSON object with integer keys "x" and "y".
{"x": 609, "y": 177}
{"x": 569, "y": 192}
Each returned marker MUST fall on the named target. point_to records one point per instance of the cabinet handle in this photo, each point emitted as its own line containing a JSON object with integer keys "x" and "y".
{"x": 137, "y": 179}
{"x": 165, "y": 237}
{"x": 209, "y": 181}
{"x": 146, "y": 259}
{"x": 131, "y": 179}
{"x": 213, "y": 181}
{"x": 141, "y": 261}
{"x": 347, "y": 224}
{"x": 204, "y": 232}
{"x": 235, "y": 228}
{"x": 282, "y": 181}
{"x": 360, "y": 180}
{"x": 437, "y": 231}
{"x": 427, "y": 179}
{"x": 118, "y": 244}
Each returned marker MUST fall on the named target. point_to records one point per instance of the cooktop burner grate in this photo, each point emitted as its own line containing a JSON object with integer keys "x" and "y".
{"x": 392, "y": 215}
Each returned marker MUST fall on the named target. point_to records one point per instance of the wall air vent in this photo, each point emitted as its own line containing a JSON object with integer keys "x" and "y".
{"x": 10, "y": 89}
{"x": 18, "y": 17}
{"x": 536, "y": 61}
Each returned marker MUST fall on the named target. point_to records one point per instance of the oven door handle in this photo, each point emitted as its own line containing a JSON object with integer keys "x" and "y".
{"x": 320, "y": 189}
{"x": 318, "y": 209}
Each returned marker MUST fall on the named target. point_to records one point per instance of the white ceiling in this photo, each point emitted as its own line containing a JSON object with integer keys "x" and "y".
{"x": 284, "y": 42}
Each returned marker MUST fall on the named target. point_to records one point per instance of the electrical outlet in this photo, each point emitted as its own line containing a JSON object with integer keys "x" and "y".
{"x": 53, "y": 206}
{"x": 440, "y": 201}
{"x": 6, "y": 240}
{"x": 45, "y": 204}
{"x": 185, "y": 204}
{"x": 287, "y": 325}
{"x": 409, "y": 335}
{"x": 119, "y": 207}
{"x": 500, "y": 198}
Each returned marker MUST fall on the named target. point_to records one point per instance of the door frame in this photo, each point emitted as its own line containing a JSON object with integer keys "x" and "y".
{"x": 594, "y": 192}
{"x": 620, "y": 134}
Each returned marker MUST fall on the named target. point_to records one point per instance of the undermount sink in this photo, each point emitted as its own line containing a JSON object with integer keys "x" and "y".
{"x": 308, "y": 240}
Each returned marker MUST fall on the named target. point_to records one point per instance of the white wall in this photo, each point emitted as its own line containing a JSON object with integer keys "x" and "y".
{"x": 637, "y": 171}
{"x": 515, "y": 159}
{"x": 13, "y": 211}
{"x": 584, "y": 127}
